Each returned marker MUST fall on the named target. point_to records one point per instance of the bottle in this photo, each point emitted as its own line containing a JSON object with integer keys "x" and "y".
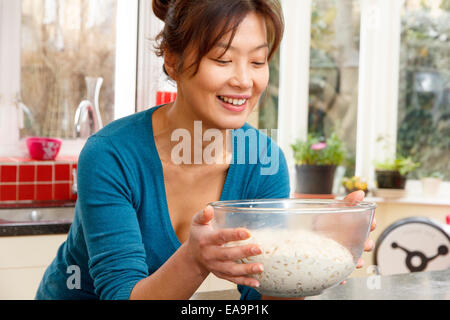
{"x": 167, "y": 90}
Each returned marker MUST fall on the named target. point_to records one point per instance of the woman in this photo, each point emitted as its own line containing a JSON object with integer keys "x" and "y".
{"x": 141, "y": 229}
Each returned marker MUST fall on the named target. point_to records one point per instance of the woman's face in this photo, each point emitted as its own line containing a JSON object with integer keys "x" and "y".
{"x": 227, "y": 87}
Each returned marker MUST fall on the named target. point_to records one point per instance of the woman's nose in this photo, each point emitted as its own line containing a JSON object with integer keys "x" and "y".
{"x": 242, "y": 78}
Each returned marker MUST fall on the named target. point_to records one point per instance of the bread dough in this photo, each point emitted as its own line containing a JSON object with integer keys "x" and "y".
{"x": 298, "y": 263}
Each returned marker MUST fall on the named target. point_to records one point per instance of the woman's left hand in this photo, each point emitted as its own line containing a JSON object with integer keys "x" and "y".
{"x": 354, "y": 196}
{"x": 369, "y": 245}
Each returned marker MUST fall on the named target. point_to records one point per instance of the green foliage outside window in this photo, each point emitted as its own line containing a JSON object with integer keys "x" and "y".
{"x": 424, "y": 94}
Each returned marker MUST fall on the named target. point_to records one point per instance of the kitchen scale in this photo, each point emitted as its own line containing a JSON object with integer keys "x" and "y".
{"x": 413, "y": 245}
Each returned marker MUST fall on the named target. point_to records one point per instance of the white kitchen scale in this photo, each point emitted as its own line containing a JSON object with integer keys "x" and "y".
{"x": 413, "y": 245}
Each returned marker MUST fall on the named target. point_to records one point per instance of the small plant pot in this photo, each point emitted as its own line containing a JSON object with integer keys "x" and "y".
{"x": 388, "y": 179}
{"x": 314, "y": 179}
{"x": 431, "y": 186}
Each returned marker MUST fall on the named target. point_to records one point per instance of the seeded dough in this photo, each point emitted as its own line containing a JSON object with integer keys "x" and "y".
{"x": 298, "y": 263}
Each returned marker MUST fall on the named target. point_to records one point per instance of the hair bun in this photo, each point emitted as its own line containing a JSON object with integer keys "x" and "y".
{"x": 160, "y": 8}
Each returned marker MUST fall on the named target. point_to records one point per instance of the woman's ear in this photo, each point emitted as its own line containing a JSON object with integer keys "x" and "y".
{"x": 170, "y": 64}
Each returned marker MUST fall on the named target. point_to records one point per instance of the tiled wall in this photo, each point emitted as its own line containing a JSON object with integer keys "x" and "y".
{"x": 25, "y": 180}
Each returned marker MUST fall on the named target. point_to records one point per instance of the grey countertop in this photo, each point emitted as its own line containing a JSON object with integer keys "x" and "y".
{"x": 431, "y": 285}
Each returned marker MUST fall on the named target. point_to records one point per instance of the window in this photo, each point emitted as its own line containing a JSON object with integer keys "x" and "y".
{"x": 51, "y": 51}
{"x": 424, "y": 92}
{"x": 268, "y": 108}
{"x": 62, "y": 43}
{"x": 333, "y": 72}
{"x": 395, "y": 82}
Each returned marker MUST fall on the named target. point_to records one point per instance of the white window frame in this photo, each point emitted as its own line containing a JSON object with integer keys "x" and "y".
{"x": 294, "y": 78}
{"x": 9, "y": 75}
{"x": 150, "y": 67}
{"x": 126, "y": 58}
{"x": 378, "y": 82}
{"x": 125, "y": 70}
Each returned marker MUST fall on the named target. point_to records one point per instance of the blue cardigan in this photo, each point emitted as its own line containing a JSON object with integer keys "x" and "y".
{"x": 122, "y": 230}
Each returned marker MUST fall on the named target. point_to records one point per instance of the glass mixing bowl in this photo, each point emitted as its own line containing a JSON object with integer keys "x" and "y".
{"x": 308, "y": 245}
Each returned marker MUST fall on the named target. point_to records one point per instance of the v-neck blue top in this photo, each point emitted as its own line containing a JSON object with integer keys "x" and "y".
{"x": 122, "y": 232}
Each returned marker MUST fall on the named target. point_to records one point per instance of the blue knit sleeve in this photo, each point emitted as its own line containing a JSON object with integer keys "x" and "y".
{"x": 272, "y": 182}
{"x": 113, "y": 239}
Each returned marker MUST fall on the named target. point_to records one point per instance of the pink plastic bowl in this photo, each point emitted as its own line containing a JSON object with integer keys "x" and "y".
{"x": 43, "y": 148}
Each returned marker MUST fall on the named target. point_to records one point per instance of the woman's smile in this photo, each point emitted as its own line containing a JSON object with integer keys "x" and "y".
{"x": 234, "y": 103}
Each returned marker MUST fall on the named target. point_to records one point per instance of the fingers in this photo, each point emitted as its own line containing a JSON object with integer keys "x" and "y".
{"x": 224, "y": 259}
{"x": 240, "y": 269}
{"x": 369, "y": 245}
{"x": 204, "y": 216}
{"x": 242, "y": 280}
{"x": 373, "y": 225}
{"x": 233, "y": 269}
{"x": 355, "y": 196}
{"x": 222, "y": 236}
{"x": 360, "y": 264}
{"x": 239, "y": 252}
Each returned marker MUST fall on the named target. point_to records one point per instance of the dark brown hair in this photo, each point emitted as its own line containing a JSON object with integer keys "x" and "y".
{"x": 200, "y": 24}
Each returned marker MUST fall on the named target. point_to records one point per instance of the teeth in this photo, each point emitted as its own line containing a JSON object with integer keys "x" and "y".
{"x": 236, "y": 102}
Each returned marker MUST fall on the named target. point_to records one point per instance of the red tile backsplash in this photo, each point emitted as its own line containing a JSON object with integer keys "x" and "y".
{"x": 9, "y": 193}
{"x": 27, "y": 192}
{"x": 44, "y": 173}
{"x": 27, "y": 173}
{"x": 62, "y": 172}
{"x": 28, "y": 180}
{"x": 8, "y": 173}
{"x": 44, "y": 192}
{"x": 62, "y": 191}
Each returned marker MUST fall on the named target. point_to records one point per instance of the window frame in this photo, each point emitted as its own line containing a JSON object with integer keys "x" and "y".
{"x": 378, "y": 83}
{"x": 150, "y": 67}
{"x": 10, "y": 77}
{"x": 294, "y": 78}
{"x": 125, "y": 70}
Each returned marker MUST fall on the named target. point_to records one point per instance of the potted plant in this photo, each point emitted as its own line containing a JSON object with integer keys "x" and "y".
{"x": 354, "y": 184}
{"x": 392, "y": 173}
{"x": 316, "y": 160}
{"x": 431, "y": 183}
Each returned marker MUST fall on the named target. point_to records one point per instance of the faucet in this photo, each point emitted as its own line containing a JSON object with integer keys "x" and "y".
{"x": 87, "y": 116}
{"x": 87, "y": 120}
{"x": 74, "y": 184}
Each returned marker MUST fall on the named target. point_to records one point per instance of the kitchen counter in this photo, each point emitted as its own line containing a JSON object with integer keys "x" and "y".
{"x": 34, "y": 229}
{"x": 431, "y": 285}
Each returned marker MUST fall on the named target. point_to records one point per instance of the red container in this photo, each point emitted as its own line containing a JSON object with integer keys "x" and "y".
{"x": 163, "y": 97}
{"x": 41, "y": 148}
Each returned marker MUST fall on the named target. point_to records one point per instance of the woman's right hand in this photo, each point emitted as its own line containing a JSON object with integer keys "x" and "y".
{"x": 206, "y": 246}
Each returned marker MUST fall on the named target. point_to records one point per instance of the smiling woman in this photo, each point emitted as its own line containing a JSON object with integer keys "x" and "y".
{"x": 184, "y": 44}
{"x": 141, "y": 228}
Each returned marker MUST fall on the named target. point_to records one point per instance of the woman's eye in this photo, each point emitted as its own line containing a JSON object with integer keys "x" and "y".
{"x": 259, "y": 63}
{"x": 222, "y": 61}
